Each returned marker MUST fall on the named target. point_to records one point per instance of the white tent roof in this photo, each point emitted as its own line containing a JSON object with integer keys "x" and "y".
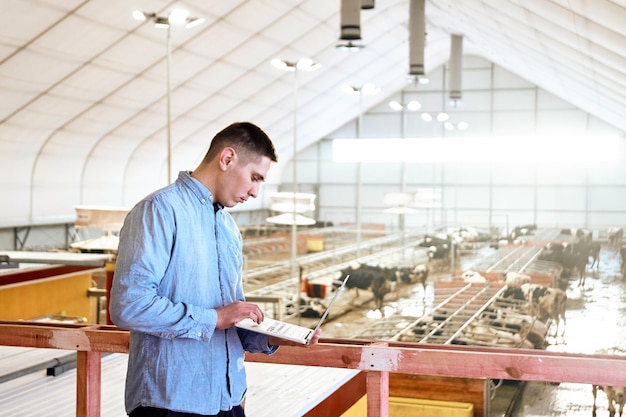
{"x": 83, "y": 90}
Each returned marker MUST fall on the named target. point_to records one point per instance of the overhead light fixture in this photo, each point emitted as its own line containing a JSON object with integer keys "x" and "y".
{"x": 442, "y": 117}
{"x": 367, "y": 88}
{"x": 427, "y": 117}
{"x": 397, "y": 198}
{"x": 367, "y": 4}
{"x": 395, "y": 105}
{"x": 291, "y": 219}
{"x": 350, "y": 25}
{"x": 448, "y": 125}
{"x": 178, "y": 16}
{"x": 349, "y": 46}
{"x": 462, "y": 125}
{"x": 350, "y": 21}
{"x": 348, "y": 89}
{"x": 455, "y": 63}
{"x": 161, "y": 22}
{"x": 412, "y": 105}
{"x": 417, "y": 36}
{"x": 414, "y": 79}
{"x": 304, "y": 64}
{"x": 141, "y": 16}
{"x": 192, "y": 22}
{"x": 288, "y": 202}
{"x": 370, "y": 89}
{"x": 307, "y": 64}
{"x": 283, "y": 65}
{"x": 175, "y": 17}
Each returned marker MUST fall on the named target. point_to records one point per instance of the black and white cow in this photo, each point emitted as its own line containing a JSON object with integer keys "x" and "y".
{"x": 546, "y": 303}
{"x": 378, "y": 279}
{"x": 439, "y": 247}
{"x": 518, "y": 231}
{"x": 419, "y": 274}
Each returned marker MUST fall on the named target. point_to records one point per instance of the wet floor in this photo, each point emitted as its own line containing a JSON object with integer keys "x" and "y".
{"x": 595, "y": 323}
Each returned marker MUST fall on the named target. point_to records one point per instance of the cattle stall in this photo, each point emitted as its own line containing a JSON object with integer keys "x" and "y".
{"x": 274, "y": 283}
{"x": 520, "y": 259}
{"x": 456, "y": 312}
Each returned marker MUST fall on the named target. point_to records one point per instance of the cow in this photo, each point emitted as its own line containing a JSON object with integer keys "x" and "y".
{"x": 581, "y": 250}
{"x": 614, "y": 395}
{"x": 546, "y": 303}
{"x": 478, "y": 333}
{"x": 473, "y": 277}
{"x": 550, "y": 305}
{"x": 419, "y": 274}
{"x": 403, "y": 274}
{"x": 439, "y": 246}
{"x": 521, "y": 231}
{"x": 573, "y": 257}
{"x": 588, "y": 247}
{"x": 594, "y": 253}
{"x": 614, "y": 238}
{"x": 516, "y": 279}
{"x": 378, "y": 279}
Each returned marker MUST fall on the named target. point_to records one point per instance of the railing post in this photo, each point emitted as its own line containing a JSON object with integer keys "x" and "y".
{"x": 88, "y": 380}
{"x": 377, "y": 387}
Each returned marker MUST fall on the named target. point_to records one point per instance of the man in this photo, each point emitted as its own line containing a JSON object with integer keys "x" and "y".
{"x": 178, "y": 285}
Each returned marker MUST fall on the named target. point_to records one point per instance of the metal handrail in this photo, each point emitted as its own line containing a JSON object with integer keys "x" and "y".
{"x": 377, "y": 359}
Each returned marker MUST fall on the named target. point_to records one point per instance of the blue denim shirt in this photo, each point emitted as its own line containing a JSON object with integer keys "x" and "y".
{"x": 179, "y": 258}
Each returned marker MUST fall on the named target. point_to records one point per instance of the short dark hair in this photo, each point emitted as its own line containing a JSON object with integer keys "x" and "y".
{"x": 247, "y": 139}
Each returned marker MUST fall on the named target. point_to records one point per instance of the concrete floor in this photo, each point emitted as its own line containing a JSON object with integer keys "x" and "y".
{"x": 602, "y": 299}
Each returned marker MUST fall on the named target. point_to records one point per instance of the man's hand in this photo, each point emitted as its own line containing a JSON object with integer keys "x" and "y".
{"x": 277, "y": 341}
{"x": 228, "y": 315}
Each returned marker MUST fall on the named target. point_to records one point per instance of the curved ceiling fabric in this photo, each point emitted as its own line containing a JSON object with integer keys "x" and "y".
{"x": 83, "y": 88}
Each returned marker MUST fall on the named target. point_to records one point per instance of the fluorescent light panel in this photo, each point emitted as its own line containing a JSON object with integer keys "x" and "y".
{"x": 549, "y": 150}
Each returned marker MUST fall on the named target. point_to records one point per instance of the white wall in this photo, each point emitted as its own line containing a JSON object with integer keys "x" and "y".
{"x": 495, "y": 103}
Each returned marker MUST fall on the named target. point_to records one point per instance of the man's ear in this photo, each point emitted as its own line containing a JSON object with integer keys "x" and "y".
{"x": 227, "y": 157}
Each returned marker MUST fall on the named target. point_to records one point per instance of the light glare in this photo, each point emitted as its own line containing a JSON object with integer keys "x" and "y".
{"x": 480, "y": 150}
{"x": 178, "y": 16}
{"x": 139, "y": 15}
{"x": 442, "y": 117}
{"x": 395, "y": 105}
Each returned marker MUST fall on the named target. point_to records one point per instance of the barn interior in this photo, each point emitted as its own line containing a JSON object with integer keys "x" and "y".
{"x": 481, "y": 139}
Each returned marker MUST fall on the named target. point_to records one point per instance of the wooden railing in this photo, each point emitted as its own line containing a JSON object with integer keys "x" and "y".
{"x": 376, "y": 359}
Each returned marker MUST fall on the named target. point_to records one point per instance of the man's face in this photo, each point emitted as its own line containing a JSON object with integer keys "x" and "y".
{"x": 243, "y": 179}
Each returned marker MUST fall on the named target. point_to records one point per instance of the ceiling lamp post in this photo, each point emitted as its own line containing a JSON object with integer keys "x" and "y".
{"x": 367, "y": 89}
{"x": 176, "y": 17}
{"x": 304, "y": 64}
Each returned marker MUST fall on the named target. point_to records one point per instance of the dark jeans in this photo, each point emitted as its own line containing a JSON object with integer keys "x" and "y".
{"x": 159, "y": 412}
